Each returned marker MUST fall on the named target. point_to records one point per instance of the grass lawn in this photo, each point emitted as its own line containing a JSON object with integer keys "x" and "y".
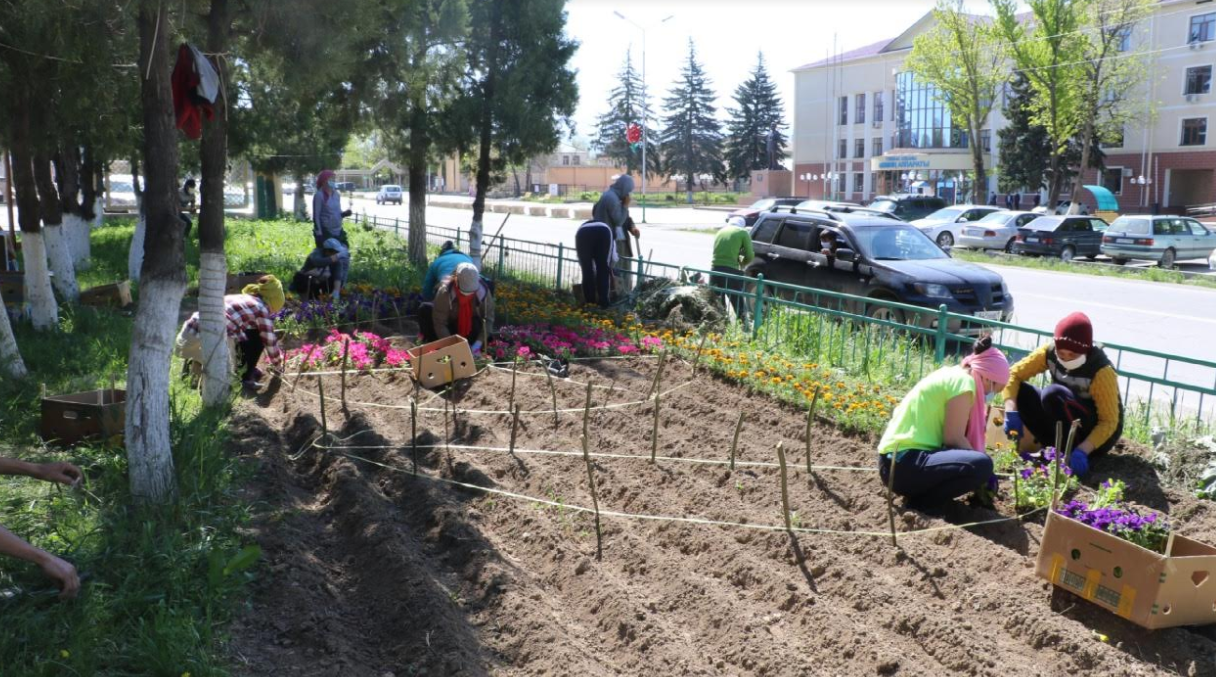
{"x": 1043, "y": 263}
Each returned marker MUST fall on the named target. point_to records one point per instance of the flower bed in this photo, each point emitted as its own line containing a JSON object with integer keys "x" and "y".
{"x": 361, "y": 303}
{"x": 367, "y": 351}
{"x": 1036, "y": 477}
{"x": 1108, "y": 512}
{"x": 562, "y": 341}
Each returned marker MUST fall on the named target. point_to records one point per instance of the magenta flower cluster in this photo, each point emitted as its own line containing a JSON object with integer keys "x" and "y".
{"x": 525, "y": 341}
{"x": 367, "y": 351}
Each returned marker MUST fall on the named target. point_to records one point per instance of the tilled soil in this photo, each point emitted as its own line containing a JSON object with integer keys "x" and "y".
{"x": 371, "y": 571}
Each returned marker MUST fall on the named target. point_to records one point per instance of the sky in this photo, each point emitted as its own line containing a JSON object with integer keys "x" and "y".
{"x": 728, "y": 35}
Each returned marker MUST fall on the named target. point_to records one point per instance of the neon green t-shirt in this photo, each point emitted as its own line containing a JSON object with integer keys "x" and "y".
{"x": 730, "y": 243}
{"x": 918, "y": 421}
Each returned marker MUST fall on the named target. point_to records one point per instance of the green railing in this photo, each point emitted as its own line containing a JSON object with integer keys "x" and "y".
{"x": 883, "y": 340}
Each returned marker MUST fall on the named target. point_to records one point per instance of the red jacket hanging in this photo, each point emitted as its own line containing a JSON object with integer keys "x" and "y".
{"x": 189, "y": 105}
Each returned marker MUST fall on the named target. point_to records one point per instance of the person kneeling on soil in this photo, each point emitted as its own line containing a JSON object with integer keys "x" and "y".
{"x": 250, "y": 320}
{"x": 325, "y": 271}
{"x": 937, "y": 432}
{"x": 464, "y": 305}
{"x": 61, "y": 572}
{"x": 440, "y": 269}
{"x": 1084, "y": 387}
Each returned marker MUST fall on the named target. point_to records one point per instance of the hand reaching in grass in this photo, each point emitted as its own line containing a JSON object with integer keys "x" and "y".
{"x": 63, "y": 473}
{"x": 63, "y": 573}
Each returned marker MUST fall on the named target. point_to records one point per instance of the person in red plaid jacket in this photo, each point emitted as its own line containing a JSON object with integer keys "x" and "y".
{"x": 250, "y": 325}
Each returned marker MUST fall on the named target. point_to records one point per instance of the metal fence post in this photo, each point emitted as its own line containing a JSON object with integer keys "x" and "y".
{"x": 458, "y": 238}
{"x": 561, "y": 254}
{"x": 758, "y": 306}
{"x": 397, "y": 227}
{"x": 641, "y": 265}
{"x": 501, "y": 256}
{"x": 943, "y": 321}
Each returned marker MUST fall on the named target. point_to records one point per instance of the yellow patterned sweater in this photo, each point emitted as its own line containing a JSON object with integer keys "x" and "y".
{"x": 1103, "y": 389}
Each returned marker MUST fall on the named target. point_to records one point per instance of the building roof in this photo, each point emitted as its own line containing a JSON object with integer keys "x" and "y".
{"x": 859, "y": 53}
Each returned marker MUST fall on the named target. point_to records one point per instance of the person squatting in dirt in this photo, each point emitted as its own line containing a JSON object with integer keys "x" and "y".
{"x": 324, "y": 272}
{"x": 440, "y": 269}
{"x": 464, "y": 306}
{"x": 596, "y": 248}
{"x": 249, "y": 317}
{"x": 327, "y": 211}
{"x": 1084, "y": 387}
{"x": 613, "y": 209}
{"x": 62, "y": 573}
{"x": 936, "y": 434}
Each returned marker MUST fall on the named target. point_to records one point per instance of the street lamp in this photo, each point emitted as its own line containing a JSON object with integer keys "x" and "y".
{"x": 645, "y": 140}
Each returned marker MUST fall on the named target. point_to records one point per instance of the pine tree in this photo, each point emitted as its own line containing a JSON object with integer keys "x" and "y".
{"x": 759, "y": 113}
{"x": 626, "y": 104}
{"x": 1025, "y": 148}
{"x": 692, "y": 136}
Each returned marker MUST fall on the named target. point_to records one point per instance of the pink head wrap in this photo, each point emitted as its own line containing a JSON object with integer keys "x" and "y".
{"x": 994, "y": 366}
{"x": 323, "y": 177}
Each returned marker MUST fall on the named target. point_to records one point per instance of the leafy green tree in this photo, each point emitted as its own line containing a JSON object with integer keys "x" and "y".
{"x": 692, "y": 135}
{"x": 1025, "y": 147}
{"x": 760, "y": 112}
{"x": 628, "y": 103}
{"x": 964, "y": 58}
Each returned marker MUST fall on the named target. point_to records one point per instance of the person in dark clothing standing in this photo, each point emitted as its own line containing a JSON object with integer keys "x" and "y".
{"x": 613, "y": 209}
{"x": 596, "y": 256}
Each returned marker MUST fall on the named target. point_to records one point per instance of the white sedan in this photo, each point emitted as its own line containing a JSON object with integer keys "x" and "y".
{"x": 945, "y": 226}
{"x": 995, "y": 231}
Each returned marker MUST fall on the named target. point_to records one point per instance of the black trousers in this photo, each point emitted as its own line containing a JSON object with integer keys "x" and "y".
{"x": 594, "y": 246}
{"x": 1041, "y": 409}
{"x": 722, "y": 282}
{"x": 251, "y": 352}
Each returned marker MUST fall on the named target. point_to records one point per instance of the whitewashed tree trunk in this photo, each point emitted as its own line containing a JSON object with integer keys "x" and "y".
{"x": 59, "y": 256}
{"x": 135, "y": 255}
{"x": 217, "y": 366}
{"x": 98, "y": 216}
{"x": 298, "y": 207}
{"x": 44, "y": 310}
{"x": 147, "y": 427}
{"x": 78, "y": 233}
{"x": 475, "y": 230}
{"x": 10, "y": 358}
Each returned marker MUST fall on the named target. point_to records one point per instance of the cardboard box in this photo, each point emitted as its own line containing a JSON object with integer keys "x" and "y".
{"x": 68, "y": 419}
{"x": 1147, "y": 588}
{"x": 12, "y": 288}
{"x": 237, "y": 281}
{"x": 429, "y": 364}
{"x": 117, "y": 294}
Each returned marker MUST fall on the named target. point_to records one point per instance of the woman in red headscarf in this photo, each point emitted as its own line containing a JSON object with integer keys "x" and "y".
{"x": 936, "y": 434}
{"x": 327, "y": 211}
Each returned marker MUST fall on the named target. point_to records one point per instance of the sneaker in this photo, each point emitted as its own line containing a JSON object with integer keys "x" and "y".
{"x": 251, "y": 384}
{"x": 258, "y": 374}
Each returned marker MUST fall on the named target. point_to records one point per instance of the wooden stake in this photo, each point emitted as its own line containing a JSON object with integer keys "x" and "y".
{"x": 414, "y": 433}
{"x": 785, "y": 496}
{"x": 295, "y": 384}
{"x": 658, "y": 375}
{"x": 891, "y": 496}
{"x": 345, "y": 360}
{"x": 514, "y": 366}
{"x": 595, "y": 501}
{"x": 735, "y": 441}
{"x": 810, "y": 418}
{"x": 1016, "y": 474}
{"x": 586, "y": 412}
{"x": 452, "y": 393}
{"x": 514, "y": 427}
{"x": 654, "y": 432}
{"x": 1169, "y": 544}
{"x": 697, "y": 362}
{"x": 321, "y": 391}
{"x": 552, "y": 392}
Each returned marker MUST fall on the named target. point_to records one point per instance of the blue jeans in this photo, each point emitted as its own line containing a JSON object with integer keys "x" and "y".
{"x": 929, "y": 477}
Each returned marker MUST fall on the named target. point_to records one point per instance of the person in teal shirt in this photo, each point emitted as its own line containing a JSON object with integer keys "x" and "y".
{"x": 936, "y": 434}
{"x": 732, "y": 250}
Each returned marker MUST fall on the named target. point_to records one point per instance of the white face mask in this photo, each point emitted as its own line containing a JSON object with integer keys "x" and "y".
{"x": 1072, "y": 365}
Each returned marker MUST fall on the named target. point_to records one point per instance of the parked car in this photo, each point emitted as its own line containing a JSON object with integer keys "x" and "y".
{"x": 1164, "y": 239}
{"x": 120, "y": 194}
{"x": 821, "y": 205}
{"x": 876, "y": 258}
{"x": 389, "y": 193}
{"x": 1064, "y": 236}
{"x": 768, "y": 204}
{"x": 842, "y": 211}
{"x": 995, "y": 231}
{"x": 945, "y": 226}
{"x": 1062, "y": 207}
{"x": 907, "y": 207}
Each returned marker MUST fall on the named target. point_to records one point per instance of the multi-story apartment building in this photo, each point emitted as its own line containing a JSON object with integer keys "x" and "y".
{"x": 865, "y": 126}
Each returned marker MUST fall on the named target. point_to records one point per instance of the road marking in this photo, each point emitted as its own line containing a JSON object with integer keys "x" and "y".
{"x": 1124, "y": 309}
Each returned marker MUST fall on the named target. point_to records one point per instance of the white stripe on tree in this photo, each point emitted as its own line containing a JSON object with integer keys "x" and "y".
{"x": 44, "y": 310}
{"x": 217, "y": 370}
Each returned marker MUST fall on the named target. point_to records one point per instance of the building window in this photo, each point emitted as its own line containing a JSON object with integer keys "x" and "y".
{"x": 844, "y": 110}
{"x": 574, "y": 159}
{"x": 1203, "y": 28}
{"x": 922, "y": 120}
{"x": 1198, "y": 80}
{"x": 877, "y": 149}
{"x": 1124, "y": 37}
{"x": 859, "y": 182}
{"x": 1112, "y": 180}
{"x": 859, "y": 112}
{"x": 566, "y": 160}
{"x": 894, "y": 110}
{"x": 1194, "y": 132}
{"x": 878, "y": 107}
{"x": 843, "y": 150}
{"x": 859, "y": 148}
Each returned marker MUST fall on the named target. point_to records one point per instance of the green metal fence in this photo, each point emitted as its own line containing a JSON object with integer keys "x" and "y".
{"x": 879, "y": 339}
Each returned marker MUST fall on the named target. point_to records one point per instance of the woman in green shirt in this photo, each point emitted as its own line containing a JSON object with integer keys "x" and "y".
{"x": 937, "y": 431}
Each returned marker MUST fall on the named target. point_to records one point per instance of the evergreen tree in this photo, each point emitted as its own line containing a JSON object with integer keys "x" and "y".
{"x": 692, "y": 136}
{"x": 759, "y": 114}
{"x": 626, "y": 104}
{"x": 1025, "y": 147}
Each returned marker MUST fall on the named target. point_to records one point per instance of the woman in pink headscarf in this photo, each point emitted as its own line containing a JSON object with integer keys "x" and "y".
{"x": 327, "y": 211}
{"x": 936, "y": 434}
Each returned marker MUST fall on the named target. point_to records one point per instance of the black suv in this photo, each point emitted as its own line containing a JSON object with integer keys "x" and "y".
{"x": 875, "y": 258}
{"x": 908, "y": 207}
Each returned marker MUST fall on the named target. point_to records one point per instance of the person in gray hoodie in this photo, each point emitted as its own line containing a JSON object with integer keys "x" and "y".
{"x": 613, "y": 209}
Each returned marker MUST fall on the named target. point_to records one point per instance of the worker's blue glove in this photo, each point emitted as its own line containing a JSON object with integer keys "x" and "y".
{"x": 1079, "y": 462}
{"x": 1013, "y": 423}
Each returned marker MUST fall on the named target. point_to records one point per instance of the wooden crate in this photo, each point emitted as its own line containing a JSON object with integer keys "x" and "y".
{"x": 68, "y": 419}
{"x": 12, "y": 288}
{"x": 117, "y": 294}
{"x": 429, "y": 364}
{"x": 237, "y": 281}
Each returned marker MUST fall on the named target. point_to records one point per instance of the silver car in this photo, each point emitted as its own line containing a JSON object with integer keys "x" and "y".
{"x": 995, "y": 231}
{"x": 1164, "y": 239}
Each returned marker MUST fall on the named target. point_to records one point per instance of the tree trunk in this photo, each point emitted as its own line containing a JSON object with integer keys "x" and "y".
{"x": 299, "y": 202}
{"x": 1087, "y": 142}
{"x": 44, "y": 310}
{"x": 135, "y": 253}
{"x": 980, "y": 188}
{"x": 485, "y": 136}
{"x": 75, "y": 228}
{"x": 58, "y": 250}
{"x": 10, "y": 358}
{"x": 163, "y": 275}
{"x": 213, "y": 264}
